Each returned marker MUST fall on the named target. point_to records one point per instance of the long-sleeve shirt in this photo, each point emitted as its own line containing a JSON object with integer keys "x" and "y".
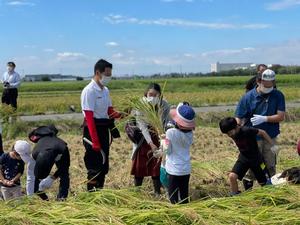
{"x": 30, "y": 173}
{"x": 13, "y": 79}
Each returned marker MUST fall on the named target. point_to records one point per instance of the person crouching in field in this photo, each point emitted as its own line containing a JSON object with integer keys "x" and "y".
{"x": 50, "y": 150}
{"x": 178, "y": 163}
{"x": 250, "y": 156}
{"x": 11, "y": 169}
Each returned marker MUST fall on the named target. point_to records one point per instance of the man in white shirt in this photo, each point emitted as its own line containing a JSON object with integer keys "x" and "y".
{"x": 98, "y": 111}
{"x": 11, "y": 81}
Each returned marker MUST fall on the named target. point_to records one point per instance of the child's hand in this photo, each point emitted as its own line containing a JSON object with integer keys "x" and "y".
{"x": 10, "y": 183}
{"x": 153, "y": 146}
{"x": 158, "y": 153}
{"x": 162, "y": 136}
{"x": 7, "y": 182}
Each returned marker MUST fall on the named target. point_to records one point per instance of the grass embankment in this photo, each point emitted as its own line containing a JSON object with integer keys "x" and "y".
{"x": 56, "y": 97}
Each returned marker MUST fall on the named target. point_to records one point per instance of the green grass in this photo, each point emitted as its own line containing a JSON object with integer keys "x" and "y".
{"x": 56, "y": 97}
{"x": 173, "y": 84}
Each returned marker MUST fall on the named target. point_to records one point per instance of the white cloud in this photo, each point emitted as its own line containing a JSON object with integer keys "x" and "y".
{"x": 112, "y": 44}
{"x": 70, "y": 56}
{"x": 48, "y": 50}
{"x": 226, "y": 52}
{"x": 282, "y": 4}
{"x": 29, "y": 46}
{"x": 117, "y": 55}
{"x": 118, "y": 19}
{"x": 20, "y": 3}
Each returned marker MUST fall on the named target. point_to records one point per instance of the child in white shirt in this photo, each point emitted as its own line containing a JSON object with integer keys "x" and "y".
{"x": 178, "y": 142}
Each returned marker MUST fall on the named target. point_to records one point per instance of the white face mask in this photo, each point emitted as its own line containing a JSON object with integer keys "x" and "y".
{"x": 266, "y": 90}
{"x": 105, "y": 80}
{"x": 153, "y": 100}
{"x": 10, "y": 69}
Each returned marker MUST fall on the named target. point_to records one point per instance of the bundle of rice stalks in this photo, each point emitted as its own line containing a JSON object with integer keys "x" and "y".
{"x": 268, "y": 205}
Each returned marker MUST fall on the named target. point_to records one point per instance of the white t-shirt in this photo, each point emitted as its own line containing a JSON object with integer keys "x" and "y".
{"x": 95, "y": 99}
{"x": 178, "y": 160}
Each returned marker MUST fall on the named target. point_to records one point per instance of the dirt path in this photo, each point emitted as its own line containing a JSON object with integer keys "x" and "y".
{"x": 79, "y": 116}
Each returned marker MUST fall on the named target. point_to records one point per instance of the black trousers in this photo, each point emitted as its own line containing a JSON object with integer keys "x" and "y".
{"x": 96, "y": 171}
{"x": 62, "y": 173}
{"x": 138, "y": 181}
{"x": 178, "y": 188}
{"x": 9, "y": 96}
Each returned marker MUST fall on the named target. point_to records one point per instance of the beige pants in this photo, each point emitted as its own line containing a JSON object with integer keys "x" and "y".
{"x": 11, "y": 192}
{"x": 269, "y": 158}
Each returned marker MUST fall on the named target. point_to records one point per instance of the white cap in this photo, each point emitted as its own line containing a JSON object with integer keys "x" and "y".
{"x": 268, "y": 75}
{"x": 22, "y": 147}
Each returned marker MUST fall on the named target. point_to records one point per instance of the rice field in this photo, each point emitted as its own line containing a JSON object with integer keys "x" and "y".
{"x": 213, "y": 155}
{"x": 56, "y": 97}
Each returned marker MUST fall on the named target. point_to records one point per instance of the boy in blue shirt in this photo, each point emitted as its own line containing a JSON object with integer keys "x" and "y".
{"x": 11, "y": 169}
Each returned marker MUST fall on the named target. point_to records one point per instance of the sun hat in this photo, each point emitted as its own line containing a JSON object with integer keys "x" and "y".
{"x": 184, "y": 116}
{"x": 22, "y": 147}
{"x": 268, "y": 75}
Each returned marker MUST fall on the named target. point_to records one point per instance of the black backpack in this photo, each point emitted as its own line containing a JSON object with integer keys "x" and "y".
{"x": 133, "y": 132}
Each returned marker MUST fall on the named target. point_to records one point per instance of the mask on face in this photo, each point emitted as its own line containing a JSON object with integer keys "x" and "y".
{"x": 266, "y": 90}
{"x": 10, "y": 69}
{"x": 153, "y": 100}
{"x": 105, "y": 80}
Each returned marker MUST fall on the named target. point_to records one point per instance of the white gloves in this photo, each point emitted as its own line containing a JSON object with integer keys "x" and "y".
{"x": 275, "y": 149}
{"x": 258, "y": 119}
{"x": 46, "y": 183}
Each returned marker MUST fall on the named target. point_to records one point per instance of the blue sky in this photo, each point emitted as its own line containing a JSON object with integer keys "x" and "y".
{"x": 146, "y": 36}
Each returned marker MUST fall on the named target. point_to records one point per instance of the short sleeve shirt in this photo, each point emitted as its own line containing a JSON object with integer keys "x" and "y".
{"x": 95, "y": 99}
{"x": 266, "y": 105}
{"x": 11, "y": 167}
{"x": 246, "y": 142}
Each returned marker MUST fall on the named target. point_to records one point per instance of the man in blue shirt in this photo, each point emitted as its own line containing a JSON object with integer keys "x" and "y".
{"x": 11, "y": 81}
{"x": 263, "y": 107}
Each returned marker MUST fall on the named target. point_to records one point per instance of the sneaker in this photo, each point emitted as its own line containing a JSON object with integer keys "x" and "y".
{"x": 234, "y": 193}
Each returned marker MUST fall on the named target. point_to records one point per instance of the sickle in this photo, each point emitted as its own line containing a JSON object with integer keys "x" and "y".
{"x": 91, "y": 143}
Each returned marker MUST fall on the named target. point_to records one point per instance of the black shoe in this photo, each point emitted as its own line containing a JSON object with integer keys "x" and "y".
{"x": 248, "y": 184}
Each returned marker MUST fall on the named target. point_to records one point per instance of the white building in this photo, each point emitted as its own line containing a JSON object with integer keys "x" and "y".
{"x": 219, "y": 67}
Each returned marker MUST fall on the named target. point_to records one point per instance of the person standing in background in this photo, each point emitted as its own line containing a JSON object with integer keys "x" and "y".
{"x": 11, "y": 82}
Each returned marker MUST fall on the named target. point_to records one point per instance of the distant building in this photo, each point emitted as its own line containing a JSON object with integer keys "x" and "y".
{"x": 219, "y": 67}
{"x": 52, "y": 77}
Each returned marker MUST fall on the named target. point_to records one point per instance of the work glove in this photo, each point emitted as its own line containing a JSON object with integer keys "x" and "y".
{"x": 275, "y": 149}
{"x": 46, "y": 183}
{"x": 258, "y": 119}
